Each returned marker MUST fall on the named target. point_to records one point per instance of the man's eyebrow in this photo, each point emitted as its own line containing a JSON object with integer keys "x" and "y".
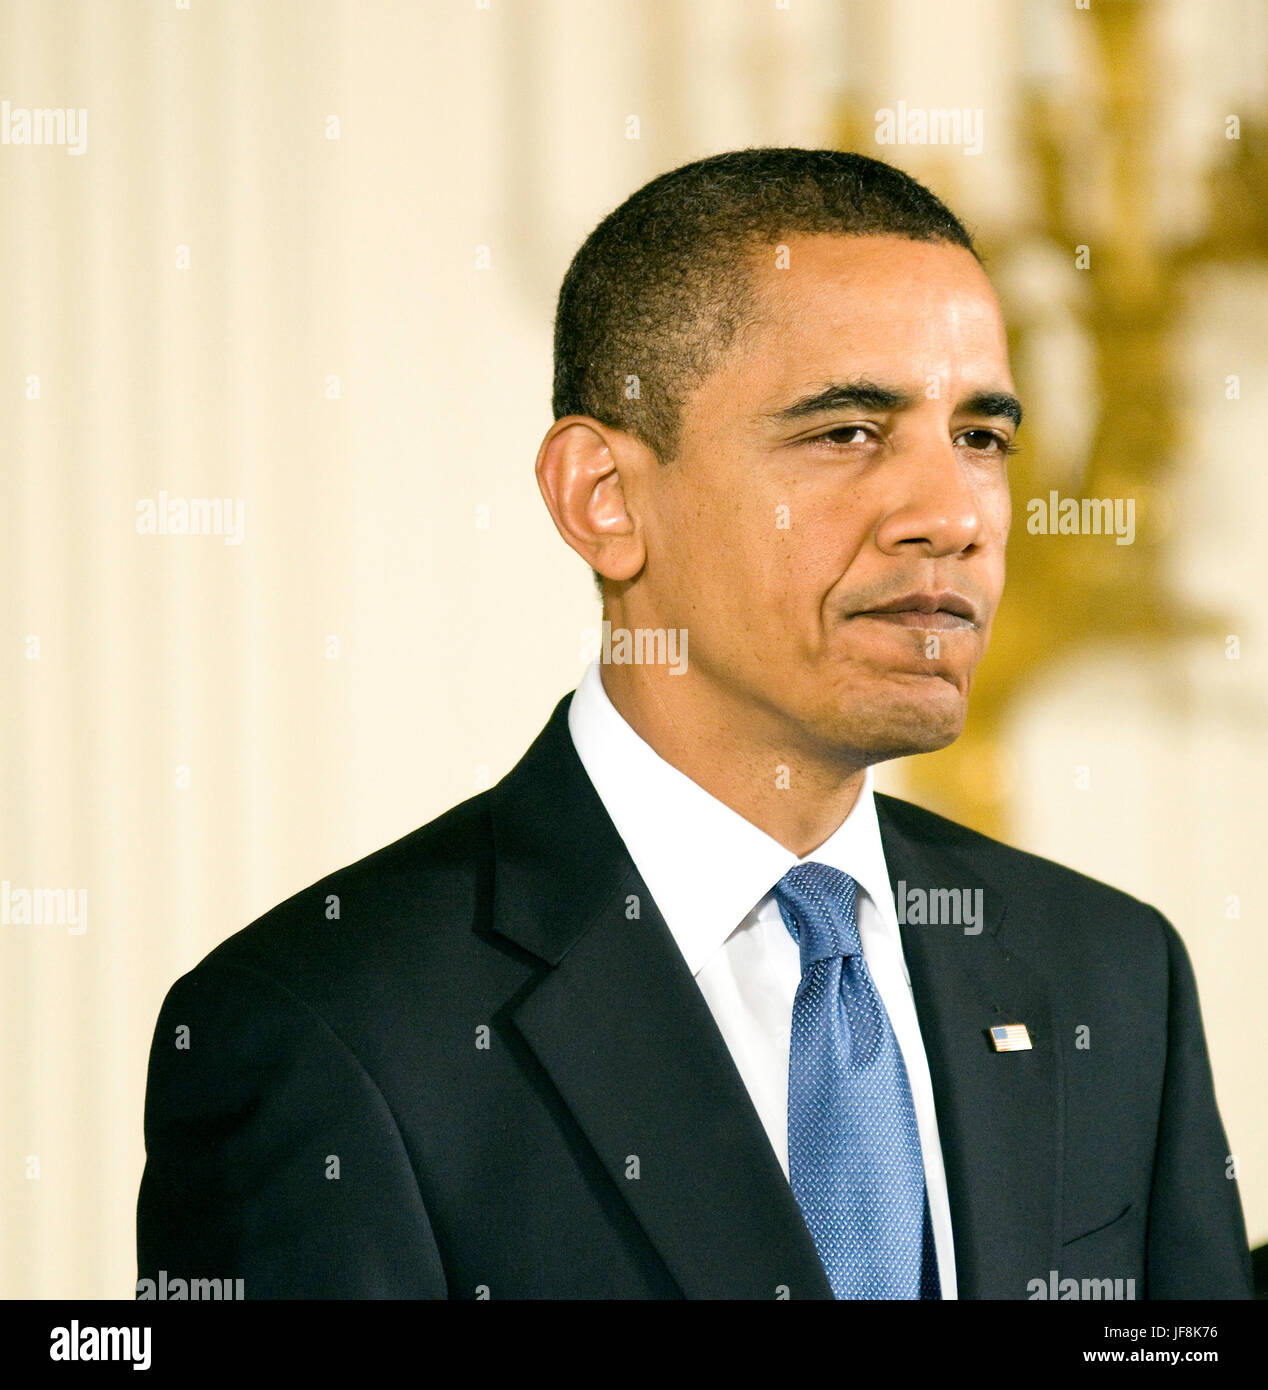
{"x": 842, "y": 395}
{"x": 868, "y": 395}
{"x": 995, "y": 404}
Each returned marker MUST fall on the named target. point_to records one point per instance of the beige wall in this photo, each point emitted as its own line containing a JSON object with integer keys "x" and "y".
{"x": 185, "y": 745}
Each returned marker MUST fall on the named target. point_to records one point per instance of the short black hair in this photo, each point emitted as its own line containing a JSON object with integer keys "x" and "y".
{"x": 660, "y": 289}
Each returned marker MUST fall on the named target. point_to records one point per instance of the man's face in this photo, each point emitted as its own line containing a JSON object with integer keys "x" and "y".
{"x": 847, "y": 457}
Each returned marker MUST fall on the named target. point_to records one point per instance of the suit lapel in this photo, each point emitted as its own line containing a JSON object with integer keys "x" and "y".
{"x": 1000, "y": 1115}
{"x": 626, "y": 1037}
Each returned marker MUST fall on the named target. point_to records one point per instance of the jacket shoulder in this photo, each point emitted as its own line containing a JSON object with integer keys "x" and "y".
{"x": 426, "y": 880}
{"x": 1019, "y": 872}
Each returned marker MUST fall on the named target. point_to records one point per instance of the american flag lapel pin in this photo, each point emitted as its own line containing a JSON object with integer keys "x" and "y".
{"x": 1011, "y": 1037}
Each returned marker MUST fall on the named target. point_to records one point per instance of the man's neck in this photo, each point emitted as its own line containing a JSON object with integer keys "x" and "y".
{"x": 797, "y": 799}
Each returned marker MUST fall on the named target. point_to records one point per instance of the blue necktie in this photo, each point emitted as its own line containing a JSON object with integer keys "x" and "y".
{"x": 854, "y": 1155}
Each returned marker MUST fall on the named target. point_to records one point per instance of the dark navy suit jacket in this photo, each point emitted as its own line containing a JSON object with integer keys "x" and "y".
{"x": 492, "y": 1074}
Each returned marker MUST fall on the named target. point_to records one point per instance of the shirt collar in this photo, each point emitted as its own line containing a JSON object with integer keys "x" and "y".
{"x": 705, "y": 866}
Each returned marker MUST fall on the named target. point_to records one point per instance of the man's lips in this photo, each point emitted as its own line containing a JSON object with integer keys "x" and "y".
{"x": 943, "y": 610}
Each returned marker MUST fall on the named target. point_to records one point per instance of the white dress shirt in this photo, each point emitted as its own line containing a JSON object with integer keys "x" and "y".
{"x": 711, "y": 872}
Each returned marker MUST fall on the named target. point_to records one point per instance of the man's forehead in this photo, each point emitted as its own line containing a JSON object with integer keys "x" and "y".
{"x": 804, "y": 283}
{"x": 882, "y": 308}
{"x": 802, "y": 255}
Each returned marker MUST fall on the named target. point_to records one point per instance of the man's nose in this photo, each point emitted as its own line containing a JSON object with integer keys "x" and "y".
{"x": 936, "y": 508}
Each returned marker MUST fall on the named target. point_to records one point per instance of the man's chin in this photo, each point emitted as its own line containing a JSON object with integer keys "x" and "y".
{"x": 922, "y": 741}
{"x": 900, "y": 724}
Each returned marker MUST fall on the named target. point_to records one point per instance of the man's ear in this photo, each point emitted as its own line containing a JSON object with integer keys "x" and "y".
{"x": 589, "y": 477}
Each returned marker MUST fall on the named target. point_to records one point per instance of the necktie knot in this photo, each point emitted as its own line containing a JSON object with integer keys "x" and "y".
{"x": 817, "y": 903}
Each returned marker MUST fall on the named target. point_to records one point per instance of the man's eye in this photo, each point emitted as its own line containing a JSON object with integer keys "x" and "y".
{"x": 844, "y": 435}
{"x": 988, "y": 442}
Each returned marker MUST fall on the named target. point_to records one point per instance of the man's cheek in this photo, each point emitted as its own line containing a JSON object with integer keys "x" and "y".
{"x": 1003, "y": 518}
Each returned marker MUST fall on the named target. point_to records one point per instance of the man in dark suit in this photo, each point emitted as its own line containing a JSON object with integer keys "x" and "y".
{"x": 681, "y": 1007}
